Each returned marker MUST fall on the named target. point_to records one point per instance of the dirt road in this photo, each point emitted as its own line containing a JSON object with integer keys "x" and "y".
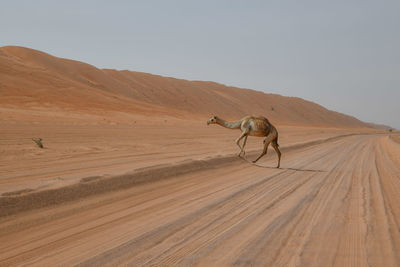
{"x": 331, "y": 204}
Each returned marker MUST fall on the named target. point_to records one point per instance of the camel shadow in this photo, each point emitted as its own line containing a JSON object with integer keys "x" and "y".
{"x": 287, "y": 168}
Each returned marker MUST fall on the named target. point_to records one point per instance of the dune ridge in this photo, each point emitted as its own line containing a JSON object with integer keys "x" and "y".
{"x": 32, "y": 79}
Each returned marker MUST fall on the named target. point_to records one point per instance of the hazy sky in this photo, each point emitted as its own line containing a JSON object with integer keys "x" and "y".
{"x": 344, "y": 55}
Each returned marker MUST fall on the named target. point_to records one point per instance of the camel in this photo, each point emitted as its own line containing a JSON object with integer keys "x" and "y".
{"x": 252, "y": 126}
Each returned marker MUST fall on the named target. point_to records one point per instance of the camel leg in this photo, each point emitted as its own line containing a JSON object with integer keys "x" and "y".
{"x": 276, "y": 147}
{"x": 238, "y": 140}
{"x": 266, "y": 144}
{"x": 244, "y": 143}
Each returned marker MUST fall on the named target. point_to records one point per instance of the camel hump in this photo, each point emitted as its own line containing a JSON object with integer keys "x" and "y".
{"x": 247, "y": 118}
{"x": 262, "y": 118}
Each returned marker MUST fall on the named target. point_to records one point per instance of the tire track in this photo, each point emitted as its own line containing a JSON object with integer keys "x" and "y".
{"x": 332, "y": 204}
{"x": 262, "y": 191}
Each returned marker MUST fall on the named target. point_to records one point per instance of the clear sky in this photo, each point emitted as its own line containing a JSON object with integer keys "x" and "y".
{"x": 344, "y": 55}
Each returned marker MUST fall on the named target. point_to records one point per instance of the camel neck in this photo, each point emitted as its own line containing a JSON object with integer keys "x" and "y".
{"x": 230, "y": 125}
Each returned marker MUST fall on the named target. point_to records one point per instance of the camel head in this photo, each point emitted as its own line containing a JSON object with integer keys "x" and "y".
{"x": 213, "y": 120}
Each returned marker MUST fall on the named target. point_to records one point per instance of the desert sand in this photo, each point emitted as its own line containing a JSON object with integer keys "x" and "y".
{"x": 130, "y": 174}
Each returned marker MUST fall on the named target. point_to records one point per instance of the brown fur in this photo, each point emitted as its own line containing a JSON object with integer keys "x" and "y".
{"x": 252, "y": 126}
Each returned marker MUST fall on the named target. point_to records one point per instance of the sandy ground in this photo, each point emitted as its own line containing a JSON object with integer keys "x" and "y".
{"x": 79, "y": 146}
{"x": 142, "y": 194}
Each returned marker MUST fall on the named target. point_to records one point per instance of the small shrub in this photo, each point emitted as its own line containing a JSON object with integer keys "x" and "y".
{"x": 38, "y": 142}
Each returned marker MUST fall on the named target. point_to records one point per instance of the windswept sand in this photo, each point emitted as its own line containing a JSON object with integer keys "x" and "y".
{"x": 80, "y": 145}
{"x": 33, "y": 79}
{"x": 334, "y": 203}
{"x": 131, "y": 175}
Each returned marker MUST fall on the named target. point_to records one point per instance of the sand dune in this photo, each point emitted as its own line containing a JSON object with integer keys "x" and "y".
{"x": 35, "y": 78}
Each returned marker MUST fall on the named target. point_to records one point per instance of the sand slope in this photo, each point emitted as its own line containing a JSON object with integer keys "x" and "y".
{"x": 34, "y": 78}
